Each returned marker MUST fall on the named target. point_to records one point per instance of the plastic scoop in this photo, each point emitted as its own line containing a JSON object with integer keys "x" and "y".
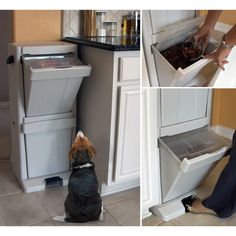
{"x": 192, "y": 50}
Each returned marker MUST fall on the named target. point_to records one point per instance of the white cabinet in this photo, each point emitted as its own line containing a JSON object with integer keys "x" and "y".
{"x": 108, "y": 107}
{"x": 128, "y": 134}
{"x": 182, "y": 105}
{"x": 151, "y": 194}
{"x": 161, "y": 19}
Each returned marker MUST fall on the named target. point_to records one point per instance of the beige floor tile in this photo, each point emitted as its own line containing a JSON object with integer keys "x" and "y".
{"x": 2, "y": 222}
{"x": 5, "y": 164}
{"x": 22, "y": 209}
{"x": 126, "y": 212}
{"x": 45, "y": 223}
{"x": 53, "y": 200}
{"x": 189, "y": 219}
{"x": 107, "y": 221}
{"x": 135, "y": 192}
{"x": 152, "y": 221}
{"x": 9, "y": 184}
{"x": 169, "y": 223}
{"x": 230, "y": 221}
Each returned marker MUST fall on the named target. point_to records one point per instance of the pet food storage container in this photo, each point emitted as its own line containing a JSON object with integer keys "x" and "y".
{"x": 51, "y": 82}
{"x": 172, "y": 36}
{"x": 186, "y": 159}
{"x": 48, "y": 141}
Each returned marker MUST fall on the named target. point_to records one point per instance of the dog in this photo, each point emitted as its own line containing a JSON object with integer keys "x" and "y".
{"x": 83, "y": 202}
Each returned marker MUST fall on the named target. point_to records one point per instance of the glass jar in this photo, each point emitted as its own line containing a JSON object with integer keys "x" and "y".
{"x": 111, "y": 27}
{"x": 100, "y": 16}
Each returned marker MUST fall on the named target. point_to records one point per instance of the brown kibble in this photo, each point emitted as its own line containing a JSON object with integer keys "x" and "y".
{"x": 175, "y": 56}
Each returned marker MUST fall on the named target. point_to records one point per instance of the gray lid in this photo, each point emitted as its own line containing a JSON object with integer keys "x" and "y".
{"x": 194, "y": 143}
{"x": 51, "y": 61}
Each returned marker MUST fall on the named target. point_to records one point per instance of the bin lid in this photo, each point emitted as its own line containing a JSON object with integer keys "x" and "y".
{"x": 194, "y": 143}
{"x": 62, "y": 60}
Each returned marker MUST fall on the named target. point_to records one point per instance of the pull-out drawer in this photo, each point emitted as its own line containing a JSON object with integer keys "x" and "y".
{"x": 187, "y": 158}
{"x": 129, "y": 68}
{"x": 51, "y": 83}
{"x": 47, "y": 144}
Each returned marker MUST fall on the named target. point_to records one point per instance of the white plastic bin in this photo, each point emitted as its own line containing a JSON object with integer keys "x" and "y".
{"x": 180, "y": 76}
{"x": 48, "y": 142}
{"x": 51, "y": 82}
{"x": 172, "y": 35}
{"x": 187, "y": 158}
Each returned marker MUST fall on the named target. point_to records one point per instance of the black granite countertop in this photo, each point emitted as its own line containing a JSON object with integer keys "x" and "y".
{"x": 117, "y": 43}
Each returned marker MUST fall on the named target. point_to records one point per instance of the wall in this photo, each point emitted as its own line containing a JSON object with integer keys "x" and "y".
{"x": 35, "y": 25}
{"x": 73, "y": 21}
{"x": 5, "y": 38}
{"x": 223, "y": 108}
{"x": 227, "y": 16}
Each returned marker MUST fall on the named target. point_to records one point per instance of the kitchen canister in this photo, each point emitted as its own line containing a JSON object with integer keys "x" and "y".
{"x": 90, "y": 23}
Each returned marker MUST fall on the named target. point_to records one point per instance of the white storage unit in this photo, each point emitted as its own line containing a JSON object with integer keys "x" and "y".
{"x": 51, "y": 82}
{"x": 44, "y": 80}
{"x": 188, "y": 157}
{"x": 188, "y": 148}
{"x": 162, "y": 29}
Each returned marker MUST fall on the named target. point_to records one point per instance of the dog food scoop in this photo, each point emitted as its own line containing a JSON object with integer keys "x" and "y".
{"x": 192, "y": 50}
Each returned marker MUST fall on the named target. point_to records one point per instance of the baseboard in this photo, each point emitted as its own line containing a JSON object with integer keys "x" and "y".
{"x": 38, "y": 183}
{"x": 146, "y": 213}
{"x": 223, "y": 131}
{"x": 118, "y": 187}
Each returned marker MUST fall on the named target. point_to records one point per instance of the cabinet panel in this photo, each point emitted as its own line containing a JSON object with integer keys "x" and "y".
{"x": 129, "y": 68}
{"x": 182, "y": 105}
{"x": 163, "y": 18}
{"x": 128, "y": 136}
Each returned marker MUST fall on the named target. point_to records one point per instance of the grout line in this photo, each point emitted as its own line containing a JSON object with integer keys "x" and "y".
{"x": 45, "y": 208}
{"x": 113, "y": 218}
{"x": 10, "y": 194}
{"x": 121, "y": 199}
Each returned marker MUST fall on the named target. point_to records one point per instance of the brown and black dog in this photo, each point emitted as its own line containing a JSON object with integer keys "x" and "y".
{"x": 83, "y": 202}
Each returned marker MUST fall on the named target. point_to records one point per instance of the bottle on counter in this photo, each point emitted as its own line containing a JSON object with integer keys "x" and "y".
{"x": 90, "y": 23}
{"x": 137, "y": 23}
{"x": 124, "y": 26}
{"x": 130, "y": 24}
{"x": 101, "y": 29}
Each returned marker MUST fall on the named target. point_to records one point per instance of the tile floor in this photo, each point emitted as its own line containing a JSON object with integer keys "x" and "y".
{"x": 189, "y": 219}
{"x": 37, "y": 209}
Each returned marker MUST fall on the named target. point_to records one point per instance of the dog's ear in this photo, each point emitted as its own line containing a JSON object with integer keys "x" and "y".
{"x": 91, "y": 151}
{"x": 72, "y": 151}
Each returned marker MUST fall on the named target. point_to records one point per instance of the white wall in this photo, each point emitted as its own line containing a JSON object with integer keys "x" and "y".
{"x": 5, "y": 37}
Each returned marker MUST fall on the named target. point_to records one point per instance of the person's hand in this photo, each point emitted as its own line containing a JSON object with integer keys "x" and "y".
{"x": 220, "y": 56}
{"x": 202, "y": 36}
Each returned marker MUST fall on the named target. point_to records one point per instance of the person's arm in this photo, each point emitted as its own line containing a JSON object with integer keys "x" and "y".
{"x": 203, "y": 34}
{"x": 223, "y": 51}
{"x": 212, "y": 17}
{"x": 230, "y": 37}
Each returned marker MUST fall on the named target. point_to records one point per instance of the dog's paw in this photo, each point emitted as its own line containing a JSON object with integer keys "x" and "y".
{"x": 60, "y": 218}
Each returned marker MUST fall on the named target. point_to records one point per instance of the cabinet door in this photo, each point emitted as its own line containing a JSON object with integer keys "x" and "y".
{"x": 128, "y": 135}
{"x": 164, "y": 18}
{"x": 182, "y": 105}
